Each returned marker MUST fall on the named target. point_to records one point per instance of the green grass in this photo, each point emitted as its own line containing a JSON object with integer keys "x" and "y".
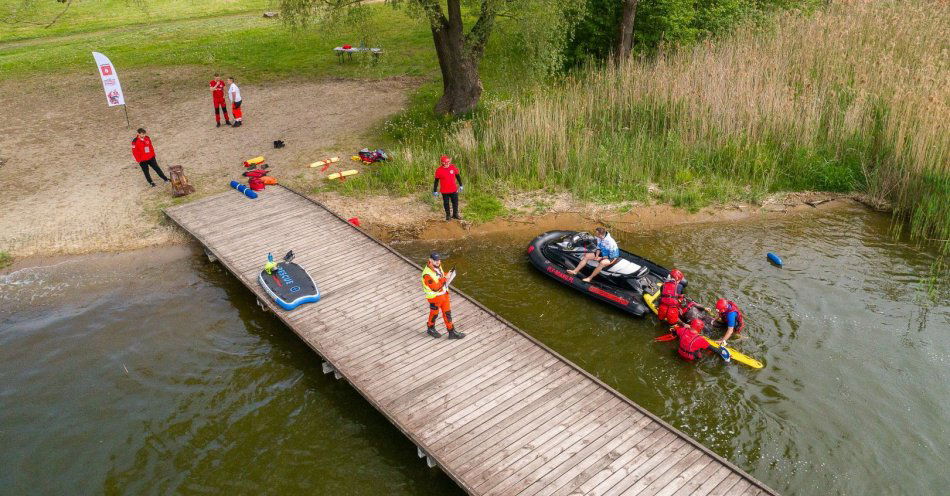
{"x": 249, "y": 46}
{"x": 84, "y": 16}
{"x": 6, "y": 260}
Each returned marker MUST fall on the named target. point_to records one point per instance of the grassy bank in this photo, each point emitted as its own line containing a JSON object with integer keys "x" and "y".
{"x": 851, "y": 98}
{"x": 237, "y": 41}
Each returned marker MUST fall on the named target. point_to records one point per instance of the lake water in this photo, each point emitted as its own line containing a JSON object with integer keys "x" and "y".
{"x": 155, "y": 371}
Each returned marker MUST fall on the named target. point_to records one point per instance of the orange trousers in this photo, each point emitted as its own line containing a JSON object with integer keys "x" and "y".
{"x": 440, "y": 302}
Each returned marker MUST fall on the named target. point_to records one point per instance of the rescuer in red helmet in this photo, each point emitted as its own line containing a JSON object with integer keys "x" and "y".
{"x": 691, "y": 340}
{"x": 731, "y": 317}
{"x": 671, "y": 295}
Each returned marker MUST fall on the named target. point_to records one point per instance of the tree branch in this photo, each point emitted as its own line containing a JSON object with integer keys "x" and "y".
{"x": 477, "y": 37}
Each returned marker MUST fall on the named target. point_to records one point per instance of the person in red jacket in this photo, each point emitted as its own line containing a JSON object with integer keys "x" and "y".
{"x": 217, "y": 99}
{"x": 671, "y": 295}
{"x": 144, "y": 154}
{"x": 449, "y": 183}
{"x": 691, "y": 340}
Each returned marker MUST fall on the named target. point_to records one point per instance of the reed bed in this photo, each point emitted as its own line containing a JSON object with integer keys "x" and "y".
{"x": 853, "y": 97}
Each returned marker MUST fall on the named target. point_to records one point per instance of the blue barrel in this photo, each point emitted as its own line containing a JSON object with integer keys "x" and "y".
{"x": 244, "y": 189}
{"x": 774, "y": 259}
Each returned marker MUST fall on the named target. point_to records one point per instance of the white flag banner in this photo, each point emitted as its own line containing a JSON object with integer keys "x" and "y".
{"x": 110, "y": 80}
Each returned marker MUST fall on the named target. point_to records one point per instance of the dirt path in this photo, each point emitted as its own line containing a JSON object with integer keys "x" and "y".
{"x": 68, "y": 182}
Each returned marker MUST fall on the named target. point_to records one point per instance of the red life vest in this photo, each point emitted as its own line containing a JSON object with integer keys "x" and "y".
{"x": 691, "y": 344}
{"x": 732, "y": 307}
{"x": 669, "y": 294}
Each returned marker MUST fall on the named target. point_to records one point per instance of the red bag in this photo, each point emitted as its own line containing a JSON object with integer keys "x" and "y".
{"x": 255, "y": 183}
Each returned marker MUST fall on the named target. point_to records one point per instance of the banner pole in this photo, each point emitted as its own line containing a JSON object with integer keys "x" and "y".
{"x": 127, "y": 123}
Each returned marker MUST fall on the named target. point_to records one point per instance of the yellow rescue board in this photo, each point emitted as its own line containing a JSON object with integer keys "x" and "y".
{"x": 338, "y": 175}
{"x": 321, "y": 163}
{"x": 254, "y": 161}
{"x": 735, "y": 355}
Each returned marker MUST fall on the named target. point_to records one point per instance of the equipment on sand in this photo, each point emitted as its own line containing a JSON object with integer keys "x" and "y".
{"x": 344, "y": 174}
{"x": 730, "y": 352}
{"x": 243, "y": 189}
{"x": 621, "y": 284}
{"x": 288, "y": 283}
{"x": 180, "y": 186}
{"x": 254, "y": 161}
{"x": 325, "y": 163}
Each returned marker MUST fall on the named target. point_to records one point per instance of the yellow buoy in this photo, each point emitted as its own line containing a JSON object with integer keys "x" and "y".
{"x": 321, "y": 163}
{"x": 340, "y": 175}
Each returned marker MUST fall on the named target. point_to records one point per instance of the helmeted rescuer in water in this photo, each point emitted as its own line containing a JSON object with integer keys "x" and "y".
{"x": 691, "y": 340}
{"x": 435, "y": 286}
{"x": 671, "y": 296}
{"x": 731, "y": 317}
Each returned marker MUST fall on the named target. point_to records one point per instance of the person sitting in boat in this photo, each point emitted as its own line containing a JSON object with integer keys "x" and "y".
{"x": 691, "y": 340}
{"x": 606, "y": 254}
{"x": 671, "y": 297}
{"x": 731, "y": 317}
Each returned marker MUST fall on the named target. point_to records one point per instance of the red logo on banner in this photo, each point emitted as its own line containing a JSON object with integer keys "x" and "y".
{"x": 610, "y": 296}
{"x": 106, "y": 69}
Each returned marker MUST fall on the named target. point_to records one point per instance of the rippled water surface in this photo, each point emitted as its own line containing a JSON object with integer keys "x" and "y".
{"x": 156, "y": 372}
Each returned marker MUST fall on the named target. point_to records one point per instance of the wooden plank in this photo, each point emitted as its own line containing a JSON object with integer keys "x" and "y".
{"x": 477, "y": 409}
{"x": 488, "y": 462}
{"x": 499, "y": 438}
{"x": 630, "y": 460}
{"x": 511, "y": 462}
{"x": 693, "y": 462}
{"x": 704, "y": 482}
{"x": 429, "y": 402}
{"x": 557, "y": 387}
{"x": 548, "y": 459}
{"x": 580, "y": 462}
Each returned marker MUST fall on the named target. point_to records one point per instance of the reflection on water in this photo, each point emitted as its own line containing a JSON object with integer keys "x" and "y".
{"x": 154, "y": 372}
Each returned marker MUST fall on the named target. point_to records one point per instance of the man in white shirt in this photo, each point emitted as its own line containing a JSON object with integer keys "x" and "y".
{"x": 234, "y": 93}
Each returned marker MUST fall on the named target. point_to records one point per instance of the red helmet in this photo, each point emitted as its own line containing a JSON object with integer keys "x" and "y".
{"x": 721, "y": 305}
{"x": 676, "y": 275}
{"x": 697, "y": 324}
{"x": 445, "y": 159}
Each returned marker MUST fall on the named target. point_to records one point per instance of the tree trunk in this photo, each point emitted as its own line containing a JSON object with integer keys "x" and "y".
{"x": 461, "y": 85}
{"x": 625, "y": 37}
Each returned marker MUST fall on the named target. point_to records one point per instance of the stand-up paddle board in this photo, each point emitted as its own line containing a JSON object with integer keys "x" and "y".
{"x": 288, "y": 283}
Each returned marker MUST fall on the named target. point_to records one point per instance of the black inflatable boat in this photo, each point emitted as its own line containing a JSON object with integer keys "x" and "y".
{"x": 622, "y": 284}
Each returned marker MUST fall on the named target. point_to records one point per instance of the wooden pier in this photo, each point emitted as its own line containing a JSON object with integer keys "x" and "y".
{"x": 498, "y": 411}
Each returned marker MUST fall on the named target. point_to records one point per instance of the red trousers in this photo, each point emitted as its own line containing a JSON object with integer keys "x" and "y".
{"x": 669, "y": 313}
{"x": 236, "y": 110}
{"x": 220, "y": 107}
{"x": 440, "y": 302}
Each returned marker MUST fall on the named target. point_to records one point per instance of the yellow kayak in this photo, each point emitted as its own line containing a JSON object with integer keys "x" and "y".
{"x": 735, "y": 355}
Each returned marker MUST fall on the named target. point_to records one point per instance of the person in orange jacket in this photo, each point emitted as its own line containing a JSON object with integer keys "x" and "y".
{"x": 435, "y": 285}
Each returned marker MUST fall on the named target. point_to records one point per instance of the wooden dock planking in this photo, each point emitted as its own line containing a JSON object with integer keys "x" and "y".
{"x": 499, "y": 412}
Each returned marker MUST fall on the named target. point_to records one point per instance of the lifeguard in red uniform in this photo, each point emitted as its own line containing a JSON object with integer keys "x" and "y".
{"x": 671, "y": 292}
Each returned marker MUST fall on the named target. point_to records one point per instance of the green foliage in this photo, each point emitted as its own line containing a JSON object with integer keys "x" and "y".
{"x": 6, "y": 260}
{"x": 481, "y": 207}
{"x": 671, "y": 22}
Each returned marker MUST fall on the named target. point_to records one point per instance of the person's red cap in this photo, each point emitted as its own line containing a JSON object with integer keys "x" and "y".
{"x": 445, "y": 159}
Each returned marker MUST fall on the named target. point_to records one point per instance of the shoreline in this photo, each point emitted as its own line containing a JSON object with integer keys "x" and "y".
{"x": 404, "y": 219}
